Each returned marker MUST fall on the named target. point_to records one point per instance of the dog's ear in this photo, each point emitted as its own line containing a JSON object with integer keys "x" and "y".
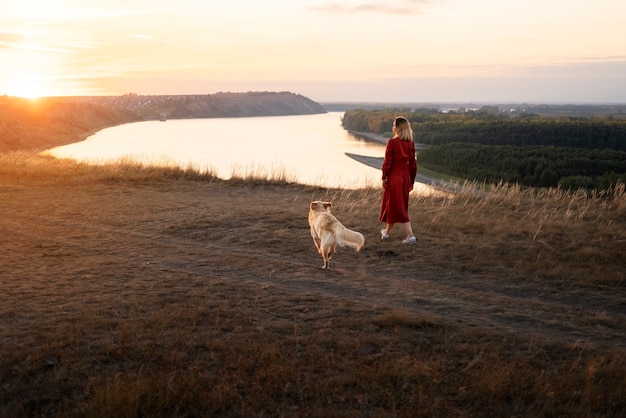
{"x": 327, "y": 205}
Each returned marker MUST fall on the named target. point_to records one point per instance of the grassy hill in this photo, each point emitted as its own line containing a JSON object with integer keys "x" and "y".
{"x": 129, "y": 290}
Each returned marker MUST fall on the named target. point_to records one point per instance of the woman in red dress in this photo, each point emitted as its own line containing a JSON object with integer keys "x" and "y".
{"x": 399, "y": 171}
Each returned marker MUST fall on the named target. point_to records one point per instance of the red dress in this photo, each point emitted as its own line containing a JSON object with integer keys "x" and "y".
{"x": 400, "y": 169}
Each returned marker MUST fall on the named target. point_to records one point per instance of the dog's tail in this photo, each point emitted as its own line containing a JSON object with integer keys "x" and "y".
{"x": 348, "y": 237}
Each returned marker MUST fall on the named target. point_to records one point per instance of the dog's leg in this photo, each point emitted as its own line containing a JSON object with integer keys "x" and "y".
{"x": 327, "y": 253}
{"x": 323, "y": 254}
{"x": 317, "y": 241}
{"x": 318, "y": 244}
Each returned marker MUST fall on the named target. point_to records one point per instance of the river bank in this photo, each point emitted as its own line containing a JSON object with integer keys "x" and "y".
{"x": 371, "y": 136}
{"x": 377, "y": 162}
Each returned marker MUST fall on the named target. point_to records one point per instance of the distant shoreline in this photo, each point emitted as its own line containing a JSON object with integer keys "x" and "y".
{"x": 369, "y": 136}
{"x": 376, "y": 163}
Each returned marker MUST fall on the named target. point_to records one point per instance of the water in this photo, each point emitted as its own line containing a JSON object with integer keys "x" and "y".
{"x": 308, "y": 149}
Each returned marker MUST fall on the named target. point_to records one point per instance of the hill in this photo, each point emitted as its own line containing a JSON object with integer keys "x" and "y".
{"x": 48, "y": 122}
{"x": 218, "y": 105}
{"x": 130, "y": 291}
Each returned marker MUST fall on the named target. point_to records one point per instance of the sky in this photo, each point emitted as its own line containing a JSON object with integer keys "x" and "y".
{"x": 417, "y": 51}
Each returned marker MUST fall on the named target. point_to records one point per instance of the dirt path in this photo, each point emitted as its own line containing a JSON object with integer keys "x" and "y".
{"x": 105, "y": 241}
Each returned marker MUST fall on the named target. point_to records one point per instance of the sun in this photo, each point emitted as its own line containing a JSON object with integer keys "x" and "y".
{"x": 27, "y": 87}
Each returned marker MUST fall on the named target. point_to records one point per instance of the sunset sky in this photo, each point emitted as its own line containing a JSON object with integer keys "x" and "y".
{"x": 548, "y": 51}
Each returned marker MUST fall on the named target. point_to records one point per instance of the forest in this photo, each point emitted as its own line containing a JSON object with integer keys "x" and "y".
{"x": 488, "y": 145}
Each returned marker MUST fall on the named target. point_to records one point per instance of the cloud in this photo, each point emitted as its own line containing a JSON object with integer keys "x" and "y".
{"x": 6, "y": 39}
{"x": 142, "y": 36}
{"x": 398, "y": 7}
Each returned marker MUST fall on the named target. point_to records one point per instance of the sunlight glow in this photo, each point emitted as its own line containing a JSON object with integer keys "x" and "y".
{"x": 354, "y": 50}
{"x": 28, "y": 87}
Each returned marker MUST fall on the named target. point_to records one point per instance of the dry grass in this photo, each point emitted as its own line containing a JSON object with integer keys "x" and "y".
{"x": 129, "y": 290}
{"x": 27, "y": 167}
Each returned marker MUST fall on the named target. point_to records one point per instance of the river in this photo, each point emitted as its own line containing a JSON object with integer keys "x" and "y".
{"x": 308, "y": 149}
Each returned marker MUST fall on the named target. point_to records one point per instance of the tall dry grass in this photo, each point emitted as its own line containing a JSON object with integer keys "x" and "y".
{"x": 540, "y": 234}
{"x": 30, "y": 166}
{"x": 560, "y": 235}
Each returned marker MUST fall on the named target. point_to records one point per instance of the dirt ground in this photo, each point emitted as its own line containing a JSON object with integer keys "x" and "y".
{"x": 111, "y": 241}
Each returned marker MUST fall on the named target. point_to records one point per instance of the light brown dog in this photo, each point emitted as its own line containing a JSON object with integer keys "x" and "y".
{"x": 327, "y": 232}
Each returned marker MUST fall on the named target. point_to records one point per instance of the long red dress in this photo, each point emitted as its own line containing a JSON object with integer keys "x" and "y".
{"x": 400, "y": 169}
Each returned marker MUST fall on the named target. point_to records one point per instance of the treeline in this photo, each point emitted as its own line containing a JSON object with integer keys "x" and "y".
{"x": 488, "y": 145}
{"x": 536, "y": 166}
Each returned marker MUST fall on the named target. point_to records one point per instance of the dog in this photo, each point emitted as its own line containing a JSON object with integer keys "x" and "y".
{"x": 327, "y": 232}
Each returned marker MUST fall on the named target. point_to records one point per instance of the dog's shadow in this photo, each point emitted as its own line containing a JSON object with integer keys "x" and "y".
{"x": 386, "y": 253}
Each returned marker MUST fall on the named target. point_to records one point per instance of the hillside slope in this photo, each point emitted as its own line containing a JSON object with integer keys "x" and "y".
{"x": 44, "y": 123}
{"x": 170, "y": 294}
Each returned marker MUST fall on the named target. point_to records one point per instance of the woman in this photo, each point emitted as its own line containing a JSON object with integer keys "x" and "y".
{"x": 399, "y": 171}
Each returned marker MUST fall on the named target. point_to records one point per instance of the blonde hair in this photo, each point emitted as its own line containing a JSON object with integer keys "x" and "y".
{"x": 403, "y": 128}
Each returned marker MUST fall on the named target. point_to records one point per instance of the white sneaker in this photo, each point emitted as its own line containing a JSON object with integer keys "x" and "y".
{"x": 410, "y": 240}
{"x": 383, "y": 235}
